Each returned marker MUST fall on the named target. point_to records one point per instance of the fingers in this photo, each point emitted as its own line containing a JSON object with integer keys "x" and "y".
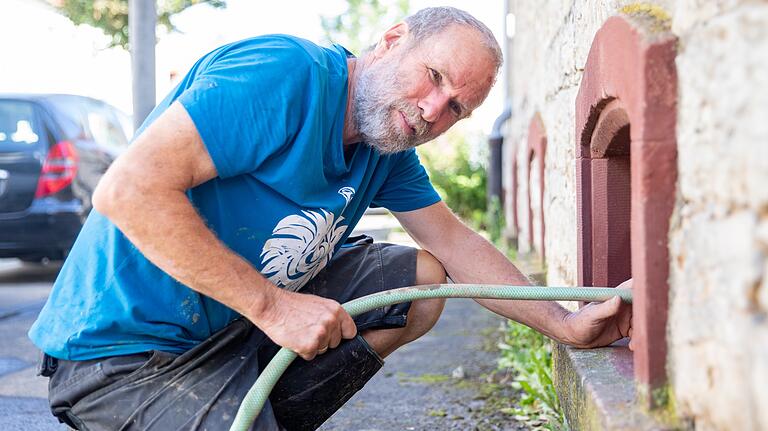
{"x": 604, "y": 310}
{"x": 625, "y": 324}
{"x": 330, "y": 323}
{"x": 307, "y": 356}
{"x": 599, "y": 323}
{"x": 625, "y": 320}
{"x": 313, "y": 349}
{"x": 334, "y": 339}
{"x": 342, "y": 326}
{"x": 308, "y": 325}
{"x": 348, "y": 327}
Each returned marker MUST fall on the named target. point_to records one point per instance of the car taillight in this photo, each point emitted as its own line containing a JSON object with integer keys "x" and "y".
{"x": 59, "y": 169}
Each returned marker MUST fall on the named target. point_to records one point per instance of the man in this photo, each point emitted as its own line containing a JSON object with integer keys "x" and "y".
{"x": 222, "y": 234}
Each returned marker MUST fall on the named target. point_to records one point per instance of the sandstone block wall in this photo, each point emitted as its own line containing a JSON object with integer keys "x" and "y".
{"x": 718, "y": 316}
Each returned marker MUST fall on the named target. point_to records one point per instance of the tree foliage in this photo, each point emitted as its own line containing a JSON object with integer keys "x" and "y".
{"x": 458, "y": 178}
{"x": 111, "y": 16}
{"x": 363, "y": 21}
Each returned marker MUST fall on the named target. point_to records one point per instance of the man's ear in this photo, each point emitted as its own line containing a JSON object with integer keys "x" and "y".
{"x": 393, "y": 37}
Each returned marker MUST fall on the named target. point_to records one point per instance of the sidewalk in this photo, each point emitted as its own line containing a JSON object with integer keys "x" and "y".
{"x": 23, "y": 395}
{"x": 434, "y": 383}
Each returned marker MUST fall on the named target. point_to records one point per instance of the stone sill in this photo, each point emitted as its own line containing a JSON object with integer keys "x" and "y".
{"x": 597, "y": 389}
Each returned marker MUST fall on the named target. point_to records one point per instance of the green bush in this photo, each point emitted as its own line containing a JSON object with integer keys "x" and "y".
{"x": 461, "y": 180}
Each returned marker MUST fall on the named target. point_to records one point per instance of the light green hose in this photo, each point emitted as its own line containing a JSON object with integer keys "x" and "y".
{"x": 256, "y": 397}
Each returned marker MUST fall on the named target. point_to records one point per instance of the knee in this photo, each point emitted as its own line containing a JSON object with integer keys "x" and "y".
{"x": 424, "y": 313}
{"x": 429, "y": 270}
{"x": 422, "y": 316}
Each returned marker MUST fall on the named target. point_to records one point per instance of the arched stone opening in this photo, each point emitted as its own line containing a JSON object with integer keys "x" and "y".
{"x": 609, "y": 199}
{"x": 626, "y": 173}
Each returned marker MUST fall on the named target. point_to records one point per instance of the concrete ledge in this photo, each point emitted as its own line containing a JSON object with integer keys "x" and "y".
{"x": 597, "y": 390}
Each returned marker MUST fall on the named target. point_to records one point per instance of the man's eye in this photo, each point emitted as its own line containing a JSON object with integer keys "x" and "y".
{"x": 435, "y": 75}
{"x": 455, "y": 108}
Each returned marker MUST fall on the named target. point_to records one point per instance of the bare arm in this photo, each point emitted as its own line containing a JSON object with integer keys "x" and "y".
{"x": 469, "y": 258}
{"x": 144, "y": 194}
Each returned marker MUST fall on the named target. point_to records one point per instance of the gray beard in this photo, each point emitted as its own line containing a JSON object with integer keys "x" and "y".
{"x": 374, "y": 101}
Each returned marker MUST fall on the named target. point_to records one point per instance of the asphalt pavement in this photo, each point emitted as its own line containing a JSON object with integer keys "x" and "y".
{"x": 437, "y": 382}
{"x": 23, "y": 394}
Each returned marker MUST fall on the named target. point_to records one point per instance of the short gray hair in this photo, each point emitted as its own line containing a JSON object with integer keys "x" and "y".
{"x": 431, "y": 21}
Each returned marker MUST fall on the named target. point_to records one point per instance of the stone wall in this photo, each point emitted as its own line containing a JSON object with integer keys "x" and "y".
{"x": 718, "y": 326}
{"x": 718, "y": 332}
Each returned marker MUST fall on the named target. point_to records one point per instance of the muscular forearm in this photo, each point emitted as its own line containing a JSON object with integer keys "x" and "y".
{"x": 472, "y": 259}
{"x": 168, "y": 231}
{"x": 469, "y": 258}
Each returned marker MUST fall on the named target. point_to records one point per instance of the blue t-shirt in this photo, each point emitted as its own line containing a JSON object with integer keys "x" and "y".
{"x": 270, "y": 111}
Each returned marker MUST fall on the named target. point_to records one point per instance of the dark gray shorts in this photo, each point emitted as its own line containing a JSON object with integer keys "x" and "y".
{"x": 202, "y": 388}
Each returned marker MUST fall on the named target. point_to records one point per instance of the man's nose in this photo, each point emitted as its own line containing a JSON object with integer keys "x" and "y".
{"x": 433, "y": 105}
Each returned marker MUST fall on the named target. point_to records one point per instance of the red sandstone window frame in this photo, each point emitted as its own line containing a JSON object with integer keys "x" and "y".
{"x": 630, "y": 76}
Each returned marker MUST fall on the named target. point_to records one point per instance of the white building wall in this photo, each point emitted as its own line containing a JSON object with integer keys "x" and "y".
{"x": 718, "y": 317}
{"x": 718, "y": 331}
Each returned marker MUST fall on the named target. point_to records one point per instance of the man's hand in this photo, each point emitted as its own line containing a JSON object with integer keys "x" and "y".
{"x": 306, "y": 324}
{"x": 600, "y": 324}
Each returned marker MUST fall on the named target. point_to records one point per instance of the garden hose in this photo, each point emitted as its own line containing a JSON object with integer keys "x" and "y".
{"x": 256, "y": 397}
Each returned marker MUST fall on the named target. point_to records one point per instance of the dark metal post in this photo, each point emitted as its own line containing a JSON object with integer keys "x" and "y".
{"x": 495, "y": 144}
{"x": 494, "y": 168}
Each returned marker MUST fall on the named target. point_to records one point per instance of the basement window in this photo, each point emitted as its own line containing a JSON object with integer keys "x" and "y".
{"x": 626, "y": 170}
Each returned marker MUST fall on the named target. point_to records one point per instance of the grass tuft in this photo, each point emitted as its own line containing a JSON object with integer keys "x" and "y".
{"x": 529, "y": 355}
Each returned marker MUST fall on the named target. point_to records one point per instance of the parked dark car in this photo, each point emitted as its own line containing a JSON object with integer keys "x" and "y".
{"x": 53, "y": 150}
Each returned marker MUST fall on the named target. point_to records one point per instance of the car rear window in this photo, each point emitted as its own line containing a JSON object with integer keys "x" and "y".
{"x": 70, "y": 113}
{"x": 19, "y": 128}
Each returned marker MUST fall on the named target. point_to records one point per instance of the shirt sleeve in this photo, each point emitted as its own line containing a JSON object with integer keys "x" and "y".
{"x": 407, "y": 186}
{"x": 247, "y": 102}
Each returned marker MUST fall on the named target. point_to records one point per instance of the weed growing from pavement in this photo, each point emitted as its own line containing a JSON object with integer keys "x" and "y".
{"x": 526, "y": 356}
{"x": 529, "y": 355}
{"x": 519, "y": 394}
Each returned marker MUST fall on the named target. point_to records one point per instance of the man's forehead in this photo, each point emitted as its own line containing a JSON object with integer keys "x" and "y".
{"x": 469, "y": 74}
{"x": 460, "y": 52}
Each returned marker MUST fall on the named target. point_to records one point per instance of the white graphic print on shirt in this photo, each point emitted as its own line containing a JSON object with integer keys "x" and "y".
{"x": 302, "y": 245}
